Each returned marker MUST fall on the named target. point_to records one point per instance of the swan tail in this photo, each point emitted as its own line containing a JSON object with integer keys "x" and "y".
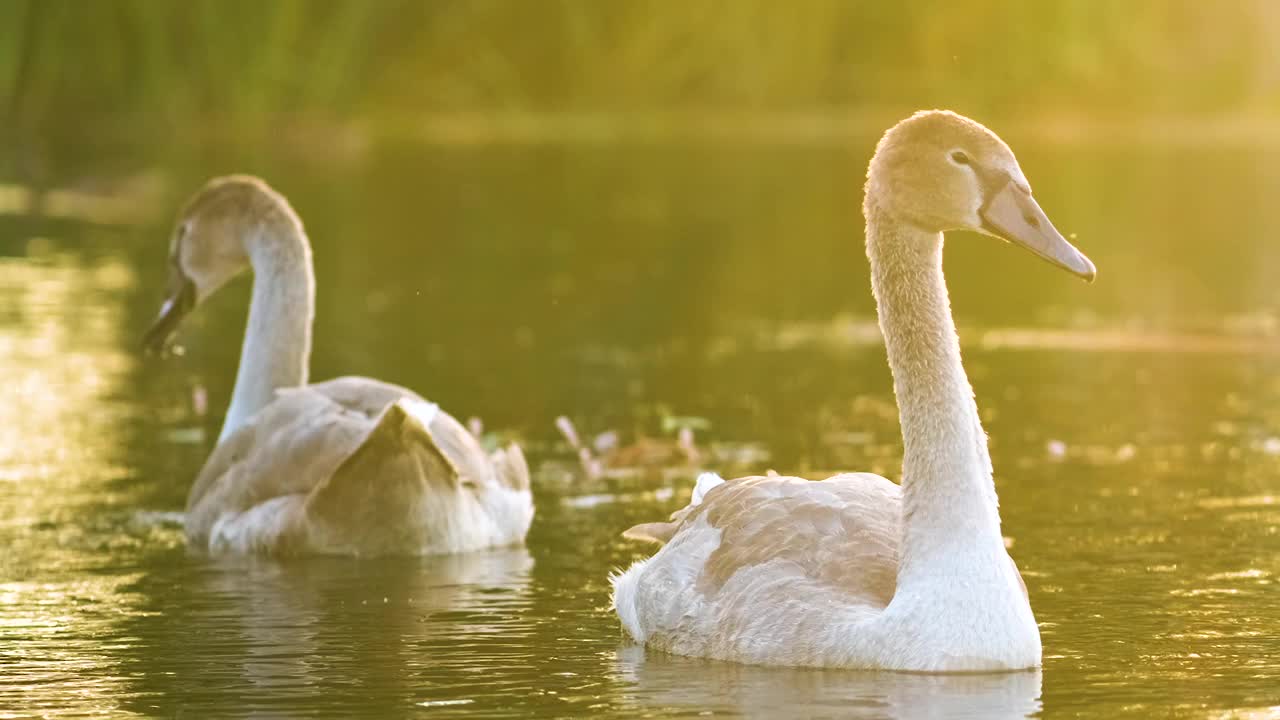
{"x": 662, "y": 532}
{"x": 626, "y": 586}
{"x": 372, "y": 501}
{"x": 703, "y": 485}
{"x": 510, "y": 467}
{"x": 654, "y": 532}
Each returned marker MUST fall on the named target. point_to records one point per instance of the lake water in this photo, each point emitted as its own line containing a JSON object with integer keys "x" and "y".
{"x": 1135, "y": 429}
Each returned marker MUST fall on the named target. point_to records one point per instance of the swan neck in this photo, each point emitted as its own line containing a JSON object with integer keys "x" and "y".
{"x": 949, "y": 500}
{"x": 277, "y": 343}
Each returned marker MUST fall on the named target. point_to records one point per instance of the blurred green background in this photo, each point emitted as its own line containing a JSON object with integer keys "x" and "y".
{"x": 479, "y": 68}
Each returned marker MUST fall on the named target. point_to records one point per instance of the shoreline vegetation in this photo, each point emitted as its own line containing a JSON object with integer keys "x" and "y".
{"x": 477, "y": 72}
{"x": 852, "y": 126}
{"x": 349, "y": 142}
{"x": 128, "y": 194}
{"x": 809, "y": 126}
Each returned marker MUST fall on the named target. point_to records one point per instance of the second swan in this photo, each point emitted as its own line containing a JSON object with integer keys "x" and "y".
{"x": 350, "y": 466}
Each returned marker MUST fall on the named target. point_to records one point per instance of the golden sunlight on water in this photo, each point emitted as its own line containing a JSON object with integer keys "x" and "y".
{"x": 643, "y": 218}
{"x": 60, "y": 346}
{"x": 1136, "y": 450}
{"x": 129, "y": 201}
{"x": 62, "y": 355}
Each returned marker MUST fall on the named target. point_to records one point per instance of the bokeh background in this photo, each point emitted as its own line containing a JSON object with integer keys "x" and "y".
{"x": 626, "y": 173}
{"x": 644, "y": 216}
{"x": 389, "y": 66}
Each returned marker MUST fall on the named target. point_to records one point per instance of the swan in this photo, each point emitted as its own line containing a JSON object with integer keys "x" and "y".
{"x": 351, "y": 466}
{"x": 856, "y": 571}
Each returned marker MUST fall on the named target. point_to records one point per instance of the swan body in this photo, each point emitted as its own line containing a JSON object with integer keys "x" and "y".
{"x": 856, "y": 571}
{"x": 350, "y": 466}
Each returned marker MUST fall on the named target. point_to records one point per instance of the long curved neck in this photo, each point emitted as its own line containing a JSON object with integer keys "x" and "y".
{"x": 277, "y": 341}
{"x": 949, "y": 500}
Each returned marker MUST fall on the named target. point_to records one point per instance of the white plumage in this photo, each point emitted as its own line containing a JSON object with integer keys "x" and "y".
{"x": 856, "y": 571}
{"x": 350, "y": 466}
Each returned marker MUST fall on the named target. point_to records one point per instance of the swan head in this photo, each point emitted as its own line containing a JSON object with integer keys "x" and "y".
{"x": 941, "y": 171}
{"x": 211, "y": 244}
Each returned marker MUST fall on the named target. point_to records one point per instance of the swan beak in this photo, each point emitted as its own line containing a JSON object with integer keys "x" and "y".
{"x": 1013, "y": 215}
{"x": 182, "y": 297}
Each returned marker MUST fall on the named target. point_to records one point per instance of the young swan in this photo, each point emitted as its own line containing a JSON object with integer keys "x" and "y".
{"x": 349, "y": 466}
{"x": 855, "y": 571}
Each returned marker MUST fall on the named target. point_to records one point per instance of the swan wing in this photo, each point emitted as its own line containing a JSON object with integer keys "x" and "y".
{"x": 285, "y": 450}
{"x": 311, "y": 452}
{"x": 370, "y": 398}
{"x": 762, "y": 567}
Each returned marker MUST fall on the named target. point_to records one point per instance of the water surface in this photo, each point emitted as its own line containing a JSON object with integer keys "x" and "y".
{"x": 1133, "y": 422}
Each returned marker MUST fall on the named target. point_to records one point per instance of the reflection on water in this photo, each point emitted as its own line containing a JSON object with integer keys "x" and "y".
{"x": 1137, "y": 446}
{"x": 373, "y": 637}
{"x": 757, "y": 692}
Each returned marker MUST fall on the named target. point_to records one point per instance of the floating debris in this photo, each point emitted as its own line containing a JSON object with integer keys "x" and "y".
{"x": 582, "y": 502}
{"x": 445, "y": 703}
{"x": 684, "y": 441}
{"x": 671, "y": 423}
{"x": 1057, "y": 451}
{"x": 158, "y": 518}
{"x": 200, "y": 400}
{"x": 1125, "y": 453}
{"x": 186, "y": 436}
{"x": 606, "y": 455}
{"x": 130, "y": 200}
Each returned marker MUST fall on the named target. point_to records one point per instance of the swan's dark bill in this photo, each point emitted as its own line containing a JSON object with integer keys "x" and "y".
{"x": 181, "y": 299}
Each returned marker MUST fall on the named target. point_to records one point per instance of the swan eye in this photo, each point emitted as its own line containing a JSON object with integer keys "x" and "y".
{"x": 959, "y": 158}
